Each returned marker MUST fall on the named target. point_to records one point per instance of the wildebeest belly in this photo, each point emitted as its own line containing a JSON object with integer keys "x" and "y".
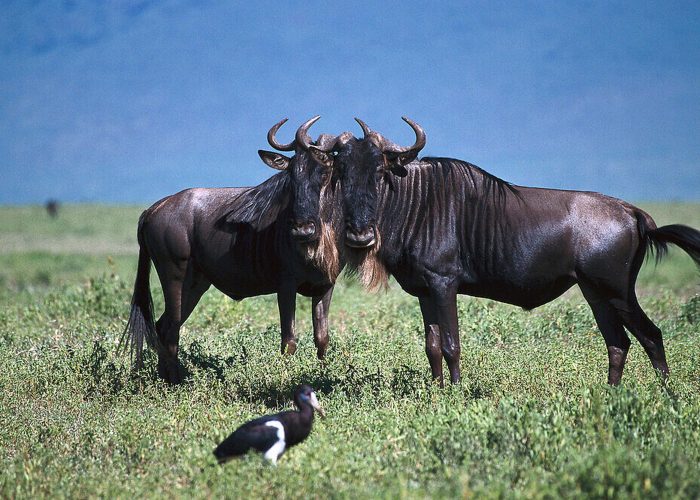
{"x": 239, "y": 283}
{"x": 522, "y": 294}
{"x": 527, "y": 296}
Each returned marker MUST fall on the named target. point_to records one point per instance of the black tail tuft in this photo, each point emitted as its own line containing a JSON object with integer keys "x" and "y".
{"x": 140, "y": 325}
{"x": 685, "y": 237}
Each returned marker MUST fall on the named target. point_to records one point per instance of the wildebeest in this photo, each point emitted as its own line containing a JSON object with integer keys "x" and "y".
{"x": 448, "y": 227}
{"x": 52, "y": 207}
{"x": 279, "y": 236}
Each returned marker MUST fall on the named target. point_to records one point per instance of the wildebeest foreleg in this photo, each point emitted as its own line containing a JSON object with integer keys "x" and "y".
{"x": 286, "y": 302}
{"x": 321, "y": 305}
{"x": 445, "y": 300}
{"x": 432, "y": 337}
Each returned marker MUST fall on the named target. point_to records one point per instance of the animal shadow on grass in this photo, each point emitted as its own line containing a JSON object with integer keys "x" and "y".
{"x": 355, "y": 383}
{"x": 399, "y": 382}
{"x": 196, "y": 357}
{"x": 103, "y": 376}
{"x": 276, "y": 396}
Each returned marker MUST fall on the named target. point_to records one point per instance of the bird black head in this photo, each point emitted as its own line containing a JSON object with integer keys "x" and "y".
{"x": 304, "y": 394}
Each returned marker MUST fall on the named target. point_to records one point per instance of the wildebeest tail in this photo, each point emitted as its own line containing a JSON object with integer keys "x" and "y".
{"x": 140, "y": 325}
{"x": 658, "y": 238}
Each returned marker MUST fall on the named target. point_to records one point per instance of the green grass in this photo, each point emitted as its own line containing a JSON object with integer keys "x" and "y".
{"x": 532, "y": 418}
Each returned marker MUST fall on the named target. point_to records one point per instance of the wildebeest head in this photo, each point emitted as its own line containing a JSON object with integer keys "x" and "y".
{"x": 310, "y": 171}
{"x": 363, "y": 163}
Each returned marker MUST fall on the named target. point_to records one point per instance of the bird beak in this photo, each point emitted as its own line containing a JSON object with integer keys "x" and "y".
{"x": 315, "y": 405}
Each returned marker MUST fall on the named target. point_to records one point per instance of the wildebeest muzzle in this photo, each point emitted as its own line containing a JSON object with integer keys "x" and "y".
{"x": 360, "y": 238}
{"x": 303, "y": 231}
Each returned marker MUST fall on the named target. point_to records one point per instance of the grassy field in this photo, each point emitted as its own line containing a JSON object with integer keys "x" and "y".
{"x": 532, "y": 418}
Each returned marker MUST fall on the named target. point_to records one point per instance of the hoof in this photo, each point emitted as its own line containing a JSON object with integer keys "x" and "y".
{"x": 289, "y": 348}
{"x": 170, "y": 372}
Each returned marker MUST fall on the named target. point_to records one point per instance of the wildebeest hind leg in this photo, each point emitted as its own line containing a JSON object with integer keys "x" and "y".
{"x": 321, "y": 305}
{"x": 432, "y": 337}
{"x": 182, "y": 289}
{"x": 168, "y": 328}
{"x": 646, "y": 332}
{"x": 610, "y": 325}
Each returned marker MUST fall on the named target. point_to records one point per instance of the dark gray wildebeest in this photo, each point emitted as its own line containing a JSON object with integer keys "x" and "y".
{"x": 52, "y": 207}
{"x": 277, "y": 237}
{"x": 442, "y": 226}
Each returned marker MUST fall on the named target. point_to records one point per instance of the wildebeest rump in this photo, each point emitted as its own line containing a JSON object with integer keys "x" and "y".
{"x": 448, "y": 227}
{"x": 279, "y": 236}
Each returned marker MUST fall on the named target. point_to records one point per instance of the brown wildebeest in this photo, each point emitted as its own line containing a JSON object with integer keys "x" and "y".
{"x": 281, "y": 236}
{"x": 442, "y": 226}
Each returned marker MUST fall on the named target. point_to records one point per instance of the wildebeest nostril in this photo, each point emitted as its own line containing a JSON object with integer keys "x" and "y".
{"x": 304, "y": 229}
{"x": 360, "y": 238}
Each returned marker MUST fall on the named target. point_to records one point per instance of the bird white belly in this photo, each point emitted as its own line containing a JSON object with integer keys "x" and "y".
{"x": 274, "y": 452}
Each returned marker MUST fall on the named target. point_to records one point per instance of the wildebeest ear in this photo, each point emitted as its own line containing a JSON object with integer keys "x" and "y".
{"x": 397, "y": 161}
{"x": 399, "y": 170}
{"x": 274, "y": 160}
{"x": 321, "y": 156}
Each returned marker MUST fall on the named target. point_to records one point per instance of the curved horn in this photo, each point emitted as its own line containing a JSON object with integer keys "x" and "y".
{"x": 365, "y": 129}
{"x": 273, "y": 142}
{"x": 302, "y": 136}
{"x": 420, "y": 136}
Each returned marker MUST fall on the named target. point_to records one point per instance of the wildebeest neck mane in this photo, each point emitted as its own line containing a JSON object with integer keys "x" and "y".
{"x": 485, "y": 185}
{"x": 259, "y": 206}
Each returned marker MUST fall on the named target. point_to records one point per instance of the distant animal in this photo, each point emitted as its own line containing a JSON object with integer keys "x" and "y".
{"x": 52, "y": 207}
{"x": 273, "y": 434}
{"x": 442, "y": 226}
{"x": 281, "y": 236}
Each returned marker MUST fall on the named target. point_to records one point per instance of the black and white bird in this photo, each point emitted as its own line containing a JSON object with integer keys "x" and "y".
{"x": 273, "y": 434}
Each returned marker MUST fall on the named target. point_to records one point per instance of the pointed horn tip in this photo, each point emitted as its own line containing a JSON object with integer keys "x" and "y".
{"x": 365, "y": 129}
{"x": 302, "y": 136}
{"x": 307, "y": 124}
{"x": 279, "y": 124}
{"x": 420, "y": 133}
{"x": 408, "y": 120}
